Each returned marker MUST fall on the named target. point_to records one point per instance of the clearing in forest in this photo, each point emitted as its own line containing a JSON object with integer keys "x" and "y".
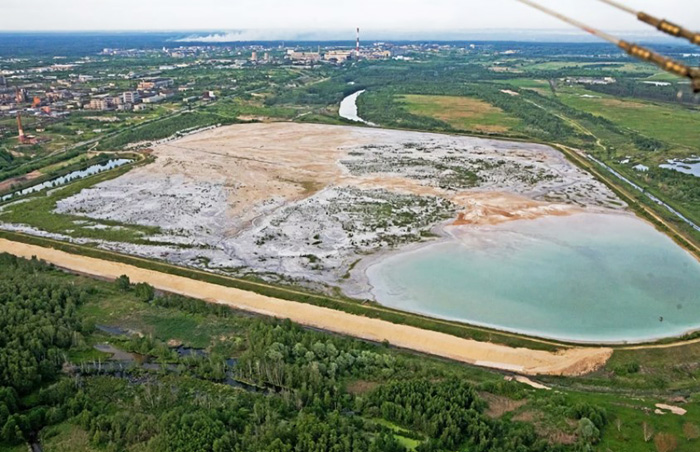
{"x": 464, "y": 113}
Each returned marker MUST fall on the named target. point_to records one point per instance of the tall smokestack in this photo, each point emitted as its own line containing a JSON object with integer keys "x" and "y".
{"x": 20, "y": 129}
{"x": 357, "y": 48}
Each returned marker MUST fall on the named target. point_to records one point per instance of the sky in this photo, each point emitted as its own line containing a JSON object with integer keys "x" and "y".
{"x": 286, "y": 19}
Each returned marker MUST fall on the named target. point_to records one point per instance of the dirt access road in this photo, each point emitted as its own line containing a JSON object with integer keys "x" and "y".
{"x": 569, "y": 362}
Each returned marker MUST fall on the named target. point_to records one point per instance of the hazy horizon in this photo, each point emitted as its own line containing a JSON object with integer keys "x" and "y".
{"x": 320, "y": 36}
{"x": 276, "y": 20}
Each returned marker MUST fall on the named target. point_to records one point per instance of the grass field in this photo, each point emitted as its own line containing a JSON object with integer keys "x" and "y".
{"x": 541, "y": 86}
{"x": 57, "y": 166}
{"x": 675, "y": 125}
{"x": 628, "y": 416}
{"x": 408, "y": 443}
{"x": 120, "y": 310}
{"x": 463, "y": 113}
{"x": 663, "y": 77}
{"x": 602, "y": 65}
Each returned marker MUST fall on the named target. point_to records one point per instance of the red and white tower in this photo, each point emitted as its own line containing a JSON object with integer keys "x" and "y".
{"x": 357, "y": 47}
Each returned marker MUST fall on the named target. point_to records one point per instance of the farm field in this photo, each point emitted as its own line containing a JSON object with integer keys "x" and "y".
{"x": 462, "y": 113}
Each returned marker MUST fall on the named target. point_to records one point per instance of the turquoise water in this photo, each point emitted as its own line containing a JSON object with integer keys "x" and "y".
{"x": 587, "y": 278}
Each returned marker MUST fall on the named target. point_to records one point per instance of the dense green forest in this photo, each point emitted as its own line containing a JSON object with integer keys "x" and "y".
{"x": 259, "y": 384}
{"x": 684, "y": 188}
{"x": 6, "y": 159}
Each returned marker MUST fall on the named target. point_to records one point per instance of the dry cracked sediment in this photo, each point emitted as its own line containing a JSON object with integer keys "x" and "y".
{"x": 306, "y": 202}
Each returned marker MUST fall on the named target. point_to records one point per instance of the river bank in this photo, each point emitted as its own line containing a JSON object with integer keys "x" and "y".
{"x": 348, "y": 109}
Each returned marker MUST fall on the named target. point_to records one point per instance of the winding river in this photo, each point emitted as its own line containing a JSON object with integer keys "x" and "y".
{"x": 348, "y": 109}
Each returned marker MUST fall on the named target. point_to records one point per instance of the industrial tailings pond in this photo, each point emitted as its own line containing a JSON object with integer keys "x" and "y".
{"x": 599, "y": 278}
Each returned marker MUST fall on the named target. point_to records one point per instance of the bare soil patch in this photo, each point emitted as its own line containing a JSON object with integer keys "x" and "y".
{"x": 7, "y": 184}
{"x": 359, "y": 387}
{"x": 499, "y": 405}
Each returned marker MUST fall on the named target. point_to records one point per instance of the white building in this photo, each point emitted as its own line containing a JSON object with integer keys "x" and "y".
{"x": 130, "y": 97}
{"x": 305, "y": 57}
{"x": 154, "y": 99}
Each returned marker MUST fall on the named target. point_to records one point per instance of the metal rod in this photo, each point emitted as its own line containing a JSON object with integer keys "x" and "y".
{"x": 660, "y": 24}
{"x": 619, "y": 5}
{"x": 632, "y": 49}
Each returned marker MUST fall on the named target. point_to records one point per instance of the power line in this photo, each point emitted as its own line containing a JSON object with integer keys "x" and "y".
{"x": 637, "y": 51}
{"x": 660, "y": 24}
{"x": 619, "y": 5}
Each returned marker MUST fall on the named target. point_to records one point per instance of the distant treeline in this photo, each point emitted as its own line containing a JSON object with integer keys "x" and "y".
{"x": 632, "y": 88}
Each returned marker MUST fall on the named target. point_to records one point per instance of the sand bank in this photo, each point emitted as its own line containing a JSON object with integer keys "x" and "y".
{"x": 569, "y": 362}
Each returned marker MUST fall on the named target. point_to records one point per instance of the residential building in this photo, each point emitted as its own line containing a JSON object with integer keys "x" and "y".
{"x": 130, "y": 97}
{"x": 100, "y": 103}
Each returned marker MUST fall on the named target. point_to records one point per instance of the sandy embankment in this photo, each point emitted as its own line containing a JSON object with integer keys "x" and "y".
{"x": 570, "y": 362}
